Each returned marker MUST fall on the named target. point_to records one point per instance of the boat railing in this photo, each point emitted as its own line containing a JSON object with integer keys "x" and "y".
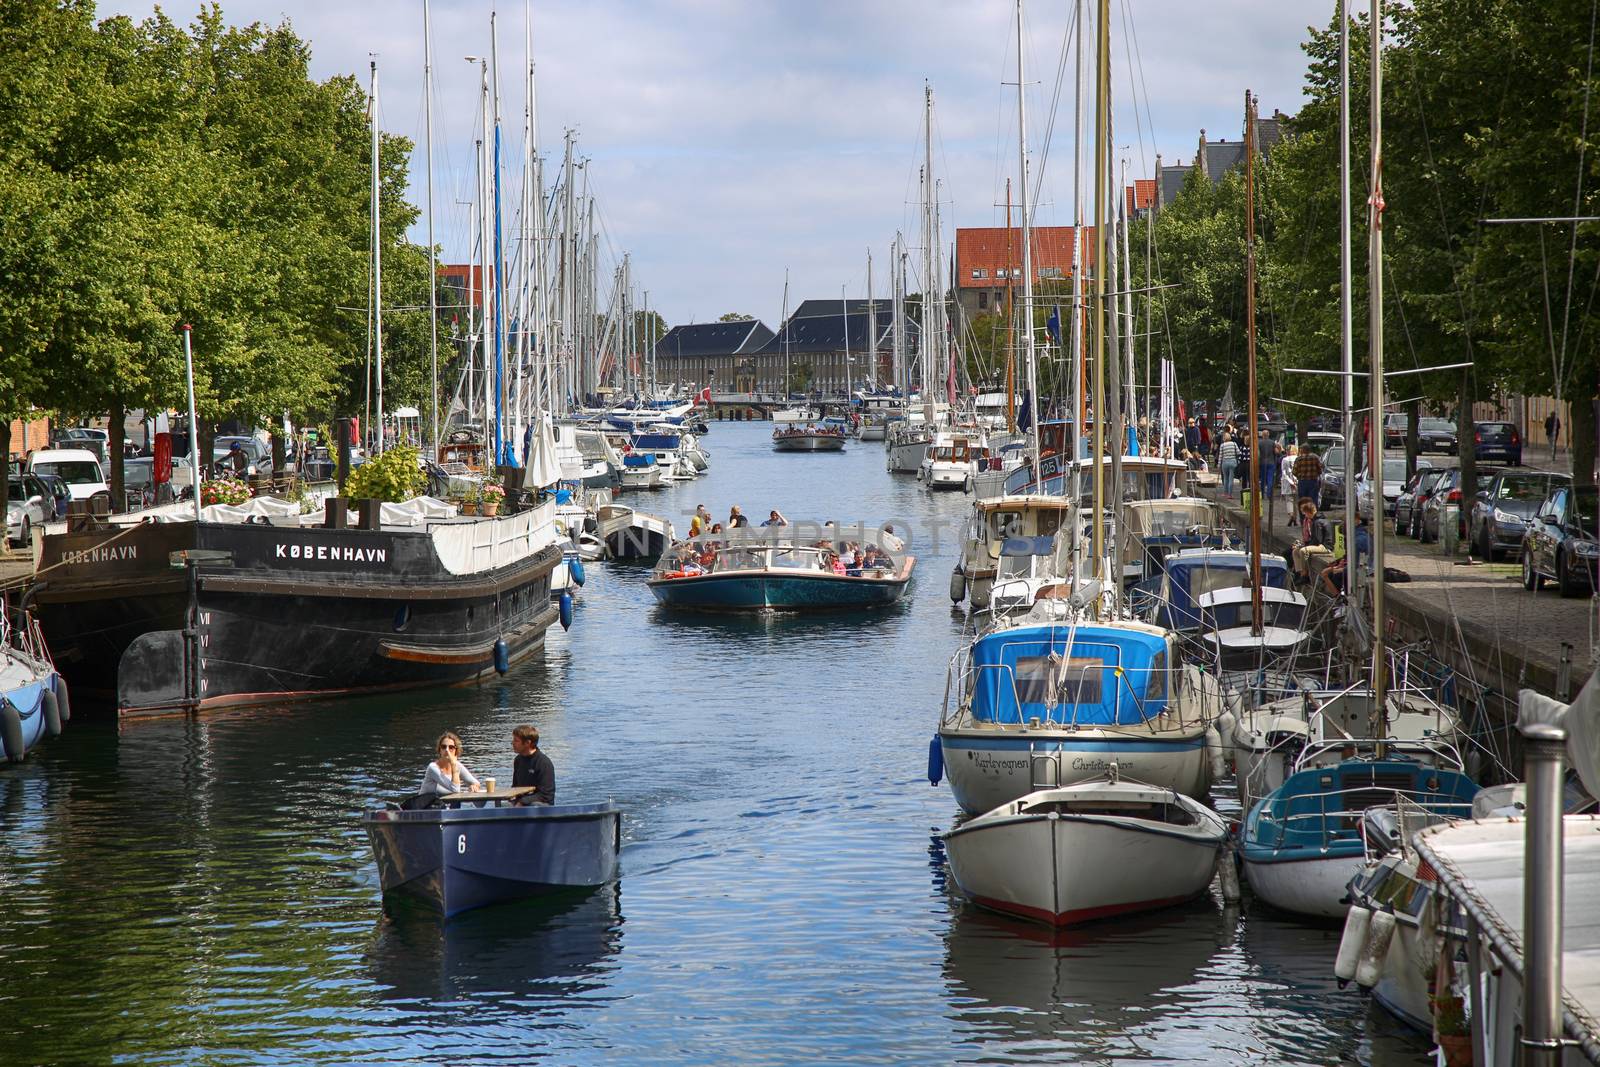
{"x": 1327, "y": 816}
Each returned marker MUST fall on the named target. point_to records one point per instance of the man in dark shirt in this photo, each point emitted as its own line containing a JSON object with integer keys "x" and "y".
{"x": 532, "y": 767}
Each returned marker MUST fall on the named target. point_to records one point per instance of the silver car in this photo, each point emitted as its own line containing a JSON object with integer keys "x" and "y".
{"x": 1394, "y": 478}
{"x": 26, "y": 509}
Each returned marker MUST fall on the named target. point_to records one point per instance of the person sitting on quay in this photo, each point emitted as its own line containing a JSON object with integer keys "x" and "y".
{"x": 531, "y": 767}
{"x": 447, "y": 773}
{"x": 1313, "y": 539}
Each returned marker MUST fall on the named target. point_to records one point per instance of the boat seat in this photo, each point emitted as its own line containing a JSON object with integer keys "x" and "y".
{"x": 420, "y": 802}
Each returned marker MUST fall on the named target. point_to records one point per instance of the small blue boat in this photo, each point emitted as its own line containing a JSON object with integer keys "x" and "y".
{"x": 1302, "y": 843}
{"x": 706, "y": 575}
{"x": 1173, "y": 598}
{"x": 33, "y": 697}
{"x": 480, "y": 849}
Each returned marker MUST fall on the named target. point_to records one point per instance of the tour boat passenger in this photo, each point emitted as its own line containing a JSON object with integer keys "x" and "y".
{"x": 532, "y": 767}
{"x": 447, "y": 772}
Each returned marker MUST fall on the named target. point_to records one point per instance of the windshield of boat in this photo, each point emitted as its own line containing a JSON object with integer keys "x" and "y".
{"x": 1049, "y": 680}
{"x": 1172, "y": 519}
{"x": 1209, "y": 579}
{"x": 1530, "y": 487}
{"x": 74, "y": 472}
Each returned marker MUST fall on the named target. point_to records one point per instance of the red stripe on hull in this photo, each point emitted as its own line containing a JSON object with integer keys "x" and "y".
{"x": 1080, "y": 915}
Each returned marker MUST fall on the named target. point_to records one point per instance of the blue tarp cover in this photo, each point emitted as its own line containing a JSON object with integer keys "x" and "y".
{"x": 1191, "y": 573}
{"x": 662, "y": 441}
{"x": 634, "y": 459}
{"x": 1005, "y": 692}
{"x": 1028, "y": 546}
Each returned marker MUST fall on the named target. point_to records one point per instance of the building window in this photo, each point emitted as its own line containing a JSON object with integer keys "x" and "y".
{"x": 1049, "y": 272}
{"x": 979, "y": 272}
{"x": 983, "y": 299}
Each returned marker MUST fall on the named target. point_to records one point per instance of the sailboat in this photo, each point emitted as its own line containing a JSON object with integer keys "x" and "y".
{"x": 907, "y": 440}
{"x": 1363, "y": 747}
{"x": 1058, "y": 698}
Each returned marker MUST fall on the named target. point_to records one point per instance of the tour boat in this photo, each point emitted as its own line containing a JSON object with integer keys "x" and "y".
{"x": 767, "y": 570}
{"x": 951, "y": 459}
{"x": 808, "y": 438}
{"x": 1093, "y": 850}
{"x": 1054, "y": 704}
{"x": 260, "y": 604}
{"x": 477, "y": 849}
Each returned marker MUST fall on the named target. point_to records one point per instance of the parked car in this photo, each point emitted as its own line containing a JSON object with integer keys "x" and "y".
{"x": 1333, "y": 477}
{"x": 1406, "y": 504}
{"x": 1447, "y": 491}
{"x": 1501, "y": 514}
{"x": 258, "y": 455}
{"x": 59, "y": 491}
{"x": 1395, "y": 425}
{"x": 1561, "y": 542}
{"x": 28, "y": 506}
{"x": 78, "y": 467}
{"x": 138, "y": 482}
{"x": 1498, "y": 440}
{"x": 1394, "y": 480}
{"x": 1319, "y": 441}
{"x": 1436, "y": 435}
{"x": 89, "y": 437}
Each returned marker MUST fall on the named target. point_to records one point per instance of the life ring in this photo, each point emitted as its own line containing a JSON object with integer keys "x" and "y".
{"x": 676, "y": 574}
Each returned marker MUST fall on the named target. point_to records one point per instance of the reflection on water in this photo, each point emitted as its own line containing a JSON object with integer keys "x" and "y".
{"x": 183, "y": 891}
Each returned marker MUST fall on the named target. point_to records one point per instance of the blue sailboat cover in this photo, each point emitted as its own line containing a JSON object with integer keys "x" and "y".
{"x": 1108, "y": 676}
{"x": 660, "y": 442}
{"x": 1191, "y": 573}
{"x": 638, "y": 459}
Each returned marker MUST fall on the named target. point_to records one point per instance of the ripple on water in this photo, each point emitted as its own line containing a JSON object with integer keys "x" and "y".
{"x": 198, "y": 891}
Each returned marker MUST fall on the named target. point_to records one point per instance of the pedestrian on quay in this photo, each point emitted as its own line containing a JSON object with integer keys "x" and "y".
{"x": 1308, "y": 475}
{"x": 1286, "y": 479}
{"x": 1205, "y": 437}
{"x": 1552, "y": 430}
{"x": 1227, "y": 461}
{"x": 1191, "y": 436}
{"x": 1266, "y": 458}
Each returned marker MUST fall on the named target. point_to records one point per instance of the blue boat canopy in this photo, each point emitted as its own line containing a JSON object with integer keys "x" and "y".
{"x": 1196, "y": 571}
{"x": 1028, "y": 546}
{"x": 639, "y": 459}
{"x": 1107, "y": 676}
{"x": 662, "y": 441}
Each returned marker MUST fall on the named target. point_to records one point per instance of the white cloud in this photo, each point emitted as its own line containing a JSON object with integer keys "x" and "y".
{"x": 729, "y": 139}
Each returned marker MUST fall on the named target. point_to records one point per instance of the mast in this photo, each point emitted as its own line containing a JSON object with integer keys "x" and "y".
{"x": 377, "y": 262}
{"x": 1346, "y": 322}
{"x": 1251, "y": 426}
{"x": 897, "y": 282}
{"x": 1077, "y": 246}
{"x": 499, "y": 262}
{"x": 1102, "y": 134}
{"x": 433, "y": 266}
{"x": 788, "y": 356}
{"x": 1011, "y": 328}
{"x": 1131, "y": 405}
{"x": 1028, "y": 360}
{"x": 928, "y": 325}
{"x": 872, "y": 328}
{"x": 487, "y": 289}
{"x": 1375, "y": 341}
{"x": 844, "y": 307}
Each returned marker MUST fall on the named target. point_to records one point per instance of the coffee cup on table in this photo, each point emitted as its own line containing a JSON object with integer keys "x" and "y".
{"x": 488, "y": 785}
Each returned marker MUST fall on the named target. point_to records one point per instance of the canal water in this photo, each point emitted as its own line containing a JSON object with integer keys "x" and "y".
{"x": 198, "y": 891}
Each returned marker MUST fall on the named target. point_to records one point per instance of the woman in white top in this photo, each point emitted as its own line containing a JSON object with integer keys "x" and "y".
{"x": 447, "y": 773}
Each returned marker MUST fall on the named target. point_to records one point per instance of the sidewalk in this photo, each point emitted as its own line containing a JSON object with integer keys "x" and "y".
{"x": 1512, "y": 637}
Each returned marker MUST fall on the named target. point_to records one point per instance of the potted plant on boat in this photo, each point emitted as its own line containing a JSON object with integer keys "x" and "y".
{"x": 470, "y": 500}
{"x": 1453, "y": 1033}
{"x": 224, "y": 491}
{"x": 394, "y": 477}
{"x": 491, "y": 497}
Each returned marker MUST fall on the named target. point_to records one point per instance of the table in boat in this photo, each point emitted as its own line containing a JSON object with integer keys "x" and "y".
{"x": 498, "y": 798}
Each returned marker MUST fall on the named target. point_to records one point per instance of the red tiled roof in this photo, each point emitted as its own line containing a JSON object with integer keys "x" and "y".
{"x": 983, "y": 248}
{"x": 463, "y": 276}
{"x": 1141, "y": 194}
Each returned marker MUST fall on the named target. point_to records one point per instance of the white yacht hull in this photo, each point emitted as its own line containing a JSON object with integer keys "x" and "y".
{"x": 905, "y": 457}
{"x": 1064, "y": 868}
{"x": 946, "y": 475}
{"x": 991, "y": 767}
{"x": 1313, "y": 887}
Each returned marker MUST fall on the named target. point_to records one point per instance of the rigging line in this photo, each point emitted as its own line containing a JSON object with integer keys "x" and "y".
{"x": 1577, "y": 194}
{"x": 1135, "y": 61}
{"x": 1050, "y": 123}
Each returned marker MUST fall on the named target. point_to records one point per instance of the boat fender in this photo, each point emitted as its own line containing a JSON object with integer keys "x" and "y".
{"x": 1356, "y": 922}
{"x": 566, "y": 611}
{"x": 1227, "y": 722}
{"x": 958, "y": 586}
{"x": 1228, "y": 876}
{"x": 502, "y": 652}
{"x": 935, "y": 761}
{"x": 1380, "y": 935}
{"x": 966, "y": 486}
{"x": 575, "y": 567}
{"x": 1219, "y": 765}
{"x": 64, "y": 699}
{"x": 11, "y": 731}
{"x": 52, "y": 713}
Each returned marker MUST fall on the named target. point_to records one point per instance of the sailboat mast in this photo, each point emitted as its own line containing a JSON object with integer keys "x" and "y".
{"x": 897, "y": 276}
{"x": 1132, "y": 406}
{"x": 1028, "y": 361}
{"x": 499, "y": 261}
{"x": 377, "y": 260}
{"x": 1346, "y": 321}
{"x": 1078, "y": 245}
{"x": 1375, "y": 341}
{"x": 928, "y": 325}
{"x": 1251, "y": 428}
{"x": 433, "y": 266}
{"x": 1011, "y": 328}
{"x": 1102, "y": 133}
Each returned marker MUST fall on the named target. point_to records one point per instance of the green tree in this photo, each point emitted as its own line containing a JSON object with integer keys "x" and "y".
{"x": 735, "y": 316}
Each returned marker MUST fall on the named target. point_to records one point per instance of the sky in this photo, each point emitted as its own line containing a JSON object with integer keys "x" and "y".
{"x": 730, "y": 143}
